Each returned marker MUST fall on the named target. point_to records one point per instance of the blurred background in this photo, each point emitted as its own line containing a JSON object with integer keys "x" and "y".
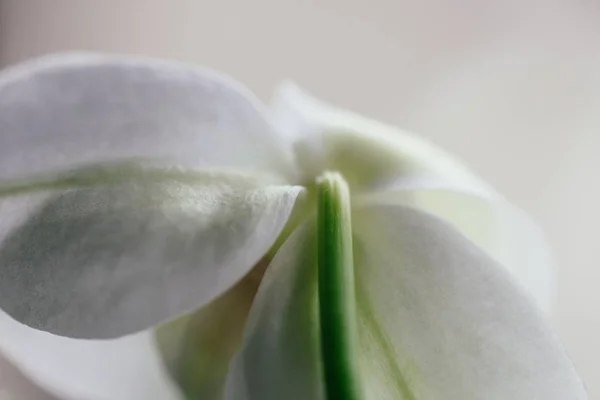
{"x": 511, "y": 86}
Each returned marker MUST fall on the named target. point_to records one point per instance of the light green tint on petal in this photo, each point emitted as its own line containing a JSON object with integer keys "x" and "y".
{"x": 440, "y": 320}
{"x": 367, "y": 153}
{"x": 134, "y": 250}
{"x": 502, "y": 230}
{"x": 198, "y": 348}
{"x": 280, "y": 357}
{"x": 396, "y": 167}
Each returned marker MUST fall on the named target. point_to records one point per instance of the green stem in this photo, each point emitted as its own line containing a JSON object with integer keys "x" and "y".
{"x": 337, "y": 302}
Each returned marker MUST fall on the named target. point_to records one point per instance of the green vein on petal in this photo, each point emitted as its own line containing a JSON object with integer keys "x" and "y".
{"x": 376, "y": 338}
{"x": 337, "y": 305}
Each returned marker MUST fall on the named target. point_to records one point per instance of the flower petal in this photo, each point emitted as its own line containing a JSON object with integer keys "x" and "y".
{"x": 502, "y": 230}
{"x": 403, "y": 169}
{"x": 369, "y": 154}
{"x": 14, "y": 385}
{"x": 280, "y": 357}
{"x": 62, "y": 111}
{"x": 123, "y": 250}
{"x": 122, "y": 369}
{"x": 198, "y": 348}
{"x": 440, "y": 320}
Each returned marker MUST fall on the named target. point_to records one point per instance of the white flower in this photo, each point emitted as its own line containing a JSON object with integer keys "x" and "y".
{"x": 135, "y": 191}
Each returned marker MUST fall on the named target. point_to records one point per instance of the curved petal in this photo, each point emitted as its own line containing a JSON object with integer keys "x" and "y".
{"x": 119, "y": 251}
{"x": 502, "y": 230}
{"x": 280, "y": 356}
{"x": 122, "y": 369}
{"x": 198, "y": 348}
{"x": 369, "y": 154}
{"x": 61, "y": 111}
{"x": 441, "y": 321}
{"x": 407, "y": 170}
{"x": 438, "y": 320}
{"x": 14, "y": 385}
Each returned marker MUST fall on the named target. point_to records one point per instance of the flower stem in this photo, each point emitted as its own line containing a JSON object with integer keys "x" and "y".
{"x": 337, "y": 303}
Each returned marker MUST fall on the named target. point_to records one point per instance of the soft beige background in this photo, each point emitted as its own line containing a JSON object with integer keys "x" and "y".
{"x": 512, "y": 86}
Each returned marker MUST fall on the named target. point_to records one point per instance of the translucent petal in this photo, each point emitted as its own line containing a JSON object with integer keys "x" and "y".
{"x": 369, "y": 154}
{"x": 112, "y": 256}
{"x": 501, "y": 229}
{"x": 198, "y": 348}
{"x": 62, "y": 111}
{"x": 280, "y": 355}
{"x": 72, "y": 369}
{"x": 441, "y": 321}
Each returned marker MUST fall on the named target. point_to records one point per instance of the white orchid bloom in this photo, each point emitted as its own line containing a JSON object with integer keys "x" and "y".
{"x": 133, "y": 192}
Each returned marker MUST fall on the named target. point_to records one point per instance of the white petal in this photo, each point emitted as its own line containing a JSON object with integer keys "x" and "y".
{"x": 502, "y": 230}
{"x": 133, "y": 248}
{"x": 441, "y": 321}
{"x": 62, "y": 111}
{"x": 367, "y": 153}
{"x": 14, "y": 385}
{"x": 405, "y": 169}
{"x": 280, "y": 356}
{"x": 122, "y": 369}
